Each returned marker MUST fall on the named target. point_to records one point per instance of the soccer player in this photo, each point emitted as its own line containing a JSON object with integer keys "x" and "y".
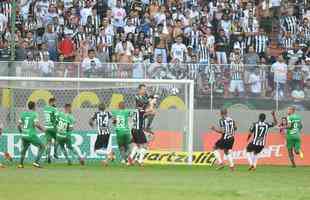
{"x": 103, "y": 141}
{"x": 259, "y": 130}
{"x": 227, "y": 128}
{"x": 50, "y": 111}
{"x": 293, "y": 140}
{"x": 65, "y": 123}
{"x": 27, "y": 125}
{"x": 122, "y": 130}
{"x": 138, "y": 136}
{"x": 6, "y": 155}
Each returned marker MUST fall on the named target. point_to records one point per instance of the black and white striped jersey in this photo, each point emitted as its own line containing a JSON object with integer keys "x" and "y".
{"x": 261, "y": 43}
{"x": 102, "y": 119}
{"x": 228, "y": 125}
{"x": 260, "y": 131}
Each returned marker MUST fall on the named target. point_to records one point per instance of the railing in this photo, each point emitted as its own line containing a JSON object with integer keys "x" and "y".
{"x": 216, "y": 85}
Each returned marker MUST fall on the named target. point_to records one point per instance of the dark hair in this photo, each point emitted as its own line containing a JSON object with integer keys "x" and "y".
{"x": 101, "y": 106}
{"x": 262, "y": 117}
{"x": 224, "y": 111}
{"x": 51, "y": 100}
{"x": 141, "y": 86}
{"x": 91, "y": 50}
{"x": 31, "y": 105}
{"x": 67, "y": 105}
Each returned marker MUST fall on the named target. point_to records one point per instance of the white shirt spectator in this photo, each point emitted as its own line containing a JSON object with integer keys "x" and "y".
{"x": 274, "y": 3}
{"x": 256, "y": 86}
{"x": 126, "y": 50}
{"x": 46, "y": 67}
{"x": 119, "y": 15}
{"x": 130, "y": 29}
{"x": 91, "y": 64}
{"x": 3, "y": 22}
{"x": 85, "y": 12}
{"x": 298, "y": 94}
{"x": 280, "y": 72}
{"x": 179, "y": 51}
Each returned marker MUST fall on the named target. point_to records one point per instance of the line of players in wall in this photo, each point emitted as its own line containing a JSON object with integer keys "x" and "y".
{"x": 133, "y": 140}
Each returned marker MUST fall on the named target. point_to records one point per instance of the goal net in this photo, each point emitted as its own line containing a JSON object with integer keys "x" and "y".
{"x": 172, "y": 125}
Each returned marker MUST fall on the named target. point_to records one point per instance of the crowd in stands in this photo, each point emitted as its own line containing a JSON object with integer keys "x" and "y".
{"x": 224, "y": 42}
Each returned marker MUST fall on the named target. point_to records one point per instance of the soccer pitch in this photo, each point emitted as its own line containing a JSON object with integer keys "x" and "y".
{"x": 58, "y": 181}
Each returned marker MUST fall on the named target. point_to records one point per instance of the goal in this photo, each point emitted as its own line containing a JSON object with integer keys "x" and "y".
{"x": 172, "y": 125}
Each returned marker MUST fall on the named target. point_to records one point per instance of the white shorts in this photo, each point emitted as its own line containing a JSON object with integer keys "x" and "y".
{"x": 236, "y": 85}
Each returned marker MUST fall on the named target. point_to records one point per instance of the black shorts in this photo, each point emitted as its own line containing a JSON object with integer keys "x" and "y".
{"x": 102, "y": 141}
{"x": 224, "y": 144}
{"x": 254, "y": 148}
{"x": 138, "y": 136}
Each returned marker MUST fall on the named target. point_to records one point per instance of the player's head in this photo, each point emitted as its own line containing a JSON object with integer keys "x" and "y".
{"x": 68, "y": 108}
{"x": 31, "y": 105}
{"x": 52, "y": 101}
{"x": 290, "y": 110}
{"x": 284, "y": 120}
{"x": 101, "y": 107}
{"x": 142, "y": 89}
{"x": 262, "y": 117}
{"x": 224, "y": 112}
{"x": 121, "y": 105}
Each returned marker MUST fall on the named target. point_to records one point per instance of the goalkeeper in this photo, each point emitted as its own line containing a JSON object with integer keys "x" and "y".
{"x": 123, "y": 133}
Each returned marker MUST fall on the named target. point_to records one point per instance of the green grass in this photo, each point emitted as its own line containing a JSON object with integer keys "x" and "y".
{"x": 93, "y": 182}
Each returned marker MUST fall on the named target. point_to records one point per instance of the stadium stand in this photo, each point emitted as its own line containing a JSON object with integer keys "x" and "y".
{"x": 235, "y": 44}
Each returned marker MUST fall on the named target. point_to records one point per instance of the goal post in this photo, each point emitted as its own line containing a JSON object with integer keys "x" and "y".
{"x": 173, "y": 124}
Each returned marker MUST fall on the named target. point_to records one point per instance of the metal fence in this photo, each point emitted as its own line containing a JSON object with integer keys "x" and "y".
{"x": 259, "y": 87}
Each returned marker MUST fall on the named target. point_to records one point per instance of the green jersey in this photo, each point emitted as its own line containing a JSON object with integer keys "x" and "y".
{"x": 49, "y": 117}
{"x": 122, "y": 117}
{"x": 28, "y": 120}
{"x": 65, "y": 124}
{"x": 295, "y": 121}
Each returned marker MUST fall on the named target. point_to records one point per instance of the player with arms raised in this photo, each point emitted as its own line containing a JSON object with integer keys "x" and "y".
{"x": 138, "y": 136}
{"x": 6, "y": 155}
{"x": 65, "y": 123}
{"x": 293, "y": 138}
{"x": 122, "y": 130}
{"x": 227, "y": 128}
{"x": 259, "y": 130}
{"x": 50, "y": 111}
{"x": 27, "y": 125}
{"x": 102, "y": 119}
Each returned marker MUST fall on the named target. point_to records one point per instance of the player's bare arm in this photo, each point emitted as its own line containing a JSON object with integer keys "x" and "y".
{"x": 274, "y": 118}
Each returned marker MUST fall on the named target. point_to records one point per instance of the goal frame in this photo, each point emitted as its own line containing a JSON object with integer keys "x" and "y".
{"x": 189, "y": 95}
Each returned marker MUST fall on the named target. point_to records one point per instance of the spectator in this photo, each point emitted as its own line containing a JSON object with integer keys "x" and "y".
{"x": 161, "y": 43}
{"x": 66, "y": 48}
{"x": 91, "y": 64}
{"x": 51, "y": 38}
{"x": 21, "y": 51}
{"x": 255, "y": 83}
{"x": 221, "y": 46}
{"x": 236, "y": 73}
{"x": 298, "y": 94}
{"x": 46, "y": 66}
{"x": 178, "y": 50}
{"x": 279, "y": 69}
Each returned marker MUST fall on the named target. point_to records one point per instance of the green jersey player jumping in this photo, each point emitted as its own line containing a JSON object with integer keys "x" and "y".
{"x": 50, "y": 123}
{"x": 123, "y": 132}
{"x": 293, "y": 138}
{"x": 27, "y": 125}
{"x": 65, "y": 123}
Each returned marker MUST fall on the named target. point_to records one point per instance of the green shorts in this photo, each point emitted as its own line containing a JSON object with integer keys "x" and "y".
{"x": 64, "y": 140}
{"x": 33, "y": 139}
{"x": 123, "y": 137}
{"x": 50, "y": 134}
{"x": 293, "y": 142}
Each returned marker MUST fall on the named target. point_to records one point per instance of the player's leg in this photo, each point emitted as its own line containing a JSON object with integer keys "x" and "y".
{"x": 121, "y": 145}
{"x": 25, "y": 146}
{"x": 36, "y": 141}
{"x": 48, "y": 144}
{"x": 76, "y": 153}
{"x": 290, "y": 145}
{"x": 61, "y": 143}
{"x": 216, "y": 151}
{"x": 297, "y": 147}
{"x": 135, "y": 148}
{"x": 228, "y": 152}
{"x": 250, "y": 155}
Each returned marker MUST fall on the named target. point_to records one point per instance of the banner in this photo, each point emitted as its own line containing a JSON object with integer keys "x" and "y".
{"x": 274, "y": 153}
{"x": 179, "y": 158}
